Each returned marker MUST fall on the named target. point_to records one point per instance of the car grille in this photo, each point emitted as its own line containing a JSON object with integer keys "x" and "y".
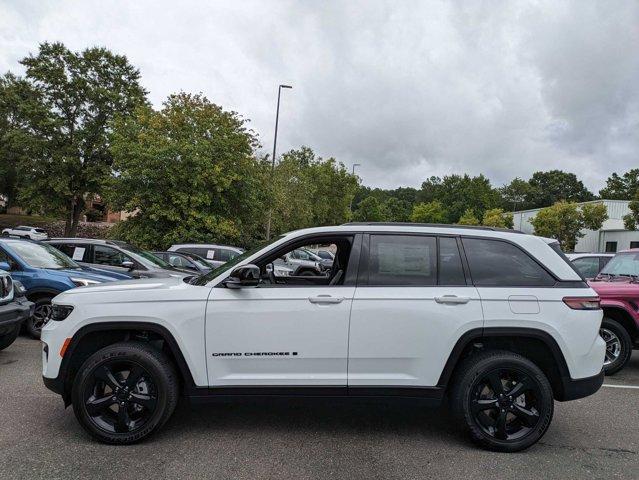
{"x": 6, "y": 288}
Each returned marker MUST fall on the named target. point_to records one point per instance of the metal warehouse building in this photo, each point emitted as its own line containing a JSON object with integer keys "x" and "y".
{"x": 612, "y": 236}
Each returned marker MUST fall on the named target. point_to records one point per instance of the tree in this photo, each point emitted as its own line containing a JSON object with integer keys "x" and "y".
{"x": 431, "y": 212}
{"x": 565, "y": 221}
{"x": 621, "y": 187}
{"x": 631, "y": 220}
{"x": 495, "y": 217}
{"x": 188, "y": 172}
{"x": 547, "y": 188}
{"x": 369, "y": 210}
{"x": 468, "y": 218}
{"x": 514, "y": 195}
{"x": 62, "y": 110}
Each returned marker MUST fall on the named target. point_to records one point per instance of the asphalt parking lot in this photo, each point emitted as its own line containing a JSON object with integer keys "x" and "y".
{"x": 596, "y": 437}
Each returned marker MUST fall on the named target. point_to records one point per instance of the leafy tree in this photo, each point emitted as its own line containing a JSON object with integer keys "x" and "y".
{"x": 468, "y": 218}
{"x": 369, "y": 210}
{"x": 631, "y": 220}
{"x": 547, "y": 188}
{"x": 495, "y": 217}
{"x": 397, "y": 210}
{"x": 514, "y": 195}
{"x": 61, "y": 113}
{"x": 621, "y": 187}
{"x": 565, "y": 221}
{"x": 431, "y": 212}
{"x": 189, "y": 173}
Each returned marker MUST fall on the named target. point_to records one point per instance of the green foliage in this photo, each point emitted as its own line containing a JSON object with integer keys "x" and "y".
{"x": 547, "y": 188}
{"x": 431, "y": 212}
{"x": 621, "y": 187}
{"x": 495, "y": 217}
{"x": 468, "y": 218}
{"x": 308, "y": 190}
{"x": 565, "y": 221}
{"x": 188, "y": 172}
{"x": 514, "y": 195}
{"x": 397, "y": 210}
{"x": 59, "y": 124}
{"x": 631, "y": 220}
{"x": 369, "y": 210}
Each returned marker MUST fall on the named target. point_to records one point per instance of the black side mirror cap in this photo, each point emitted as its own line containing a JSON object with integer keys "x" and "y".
{"x": 244, "y": 276}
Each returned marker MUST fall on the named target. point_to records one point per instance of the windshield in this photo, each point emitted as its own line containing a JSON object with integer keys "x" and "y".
{"x": 199, "y": 261}
{"x": 39, "y": 255}
{"x": 204, "y": 279}
{"x": 622, "y": 264}
{"x": 145, "y": 258}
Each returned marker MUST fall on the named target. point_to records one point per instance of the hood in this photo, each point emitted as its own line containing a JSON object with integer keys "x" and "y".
{"x": 615, "y": 288}
{"x": 161, "y": 283}
{"x": 106, "y": 273}
{"x": 79, "y": 273}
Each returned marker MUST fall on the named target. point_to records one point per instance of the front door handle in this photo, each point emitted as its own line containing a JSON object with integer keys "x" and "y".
{"x": 452, "y": 299}
{"x": 325, "y": 299}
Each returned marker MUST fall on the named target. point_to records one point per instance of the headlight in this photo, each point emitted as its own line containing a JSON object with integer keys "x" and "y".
{"x": 60, "y": 312}
{"x": 281, "y": 272}
{"x": 19, "y": 289}
{"x": 83, "y": 282}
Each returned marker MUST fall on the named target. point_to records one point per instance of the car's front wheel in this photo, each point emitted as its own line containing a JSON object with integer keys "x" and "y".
{"x": 9, "y": 337}
{"x": 504, "y": 399}
{"x": 41, "y": 316}
{"x": 618, "y": 345}
{"x": 125, "y": 392}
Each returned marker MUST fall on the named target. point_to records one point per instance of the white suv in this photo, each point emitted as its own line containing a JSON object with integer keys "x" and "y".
{"x": 497, "y": 323}
{"x": 23, "y": 231}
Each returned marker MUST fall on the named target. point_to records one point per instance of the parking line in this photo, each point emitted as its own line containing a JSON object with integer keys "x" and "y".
{"x": 621, "y": 386}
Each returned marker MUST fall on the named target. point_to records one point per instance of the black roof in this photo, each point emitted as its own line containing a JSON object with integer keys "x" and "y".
{"x": 436, "y": 225}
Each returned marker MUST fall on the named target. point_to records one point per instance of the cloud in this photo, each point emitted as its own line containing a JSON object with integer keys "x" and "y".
{"x": 407, "y": 89}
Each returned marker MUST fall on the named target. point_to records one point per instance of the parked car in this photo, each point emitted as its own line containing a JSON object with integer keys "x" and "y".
{"x": 14, "y": 309}
{"x": 324, "y": 263}
{"x": 44, "y": 272}
{"x": 116, "y": 256}
{"x": 589, "y": 264}
{"x": 498, "y": 322}
{"x": 216, "y": 255}
{"x": 618, "y": 287}
{"x": 325, "y": 254}
{"x": 188, "y": 261}
{"x": 23, "y": 231}
{"x": 303, "y": 263}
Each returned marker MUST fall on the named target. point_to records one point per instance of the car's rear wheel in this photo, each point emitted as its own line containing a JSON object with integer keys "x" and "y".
{"x": 618, "y": 345}
{"x": 9, "y": 337}
{"x": 125, "y": 392}
{"x": 504, "y": 399}
{"x": 41, "y": 316}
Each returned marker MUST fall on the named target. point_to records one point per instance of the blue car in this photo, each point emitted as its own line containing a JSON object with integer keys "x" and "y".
{"x": 45, "y": 272}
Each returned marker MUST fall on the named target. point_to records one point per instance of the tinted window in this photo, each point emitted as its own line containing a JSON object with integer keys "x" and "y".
{"x": 501, "y": 264}
{"x": 42, "y": 255}
{"x": 451, "y": 271}
{"x": 402, "y": 260}
{"x": 634, "y": 244}
{"x": 223, "y": 254}
{"x": 611, "y": 247}
{"x": 108, "y": 256}
{"x": 588, "y": 266}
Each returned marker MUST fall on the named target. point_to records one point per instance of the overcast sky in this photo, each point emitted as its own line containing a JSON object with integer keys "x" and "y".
{"x": 407, "y": 89}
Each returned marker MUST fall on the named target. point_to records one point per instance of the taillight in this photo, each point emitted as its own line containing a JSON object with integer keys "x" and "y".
{"x": 583, "y": 303}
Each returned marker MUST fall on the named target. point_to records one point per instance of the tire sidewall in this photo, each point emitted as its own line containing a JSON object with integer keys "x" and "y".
{"x": 626, "y": 345}
{"x": 8, "y": 338}
{"x": 506, "y": 362}
{"x": 35, "y": 333}
{"x": 136, "y": 355}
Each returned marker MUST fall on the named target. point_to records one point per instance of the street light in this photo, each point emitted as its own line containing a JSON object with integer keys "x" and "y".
{"x": 277, "y": 119}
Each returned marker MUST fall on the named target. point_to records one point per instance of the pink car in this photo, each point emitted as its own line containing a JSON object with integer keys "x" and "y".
{"x": 618, "y": 287}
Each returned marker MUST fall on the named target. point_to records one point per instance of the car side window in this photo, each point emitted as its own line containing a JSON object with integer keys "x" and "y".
{"x": 588, "y": 266}
{"x": 494, "y": 263}
{"x": 402, "y": 260}
{"x": 178, "y": 261}
{"x": 104, "y": 255}
{"x": 222, "y": 254}
{"x": 451, "y": 271}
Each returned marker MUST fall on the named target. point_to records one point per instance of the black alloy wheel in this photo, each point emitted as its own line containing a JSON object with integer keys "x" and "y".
{"x": 41, "y": 316}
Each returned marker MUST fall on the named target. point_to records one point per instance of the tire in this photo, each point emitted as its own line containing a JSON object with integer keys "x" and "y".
{"x": 10, "y": 337}
{"x": 40, "y": 317}
{"x": 495, "y": 420}
{"x": 148, "y": 402}
{"x": 618, "y": 345}
{"x": 5, "y": 234}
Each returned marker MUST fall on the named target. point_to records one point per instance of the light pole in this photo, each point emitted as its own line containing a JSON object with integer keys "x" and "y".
{"x": 277, "y": 119}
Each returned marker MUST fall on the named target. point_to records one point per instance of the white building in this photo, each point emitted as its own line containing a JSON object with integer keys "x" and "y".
{"x": 611, "y": 237}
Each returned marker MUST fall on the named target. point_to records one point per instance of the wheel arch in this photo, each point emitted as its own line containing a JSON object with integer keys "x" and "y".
{"x": 622, "y": 316}
{"x": 536, "y": 345}
{"x": 39, "y": 292}
{"x": 90, "y": 338}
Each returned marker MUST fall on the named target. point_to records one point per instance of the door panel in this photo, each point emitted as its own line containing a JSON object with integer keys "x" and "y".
{"x": 274, "y": 336}
{"x": 404, "y": 335}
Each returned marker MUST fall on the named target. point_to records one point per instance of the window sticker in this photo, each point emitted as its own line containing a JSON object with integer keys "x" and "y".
{"x": 78, "y": 253}
{"x": 210, "y": 254}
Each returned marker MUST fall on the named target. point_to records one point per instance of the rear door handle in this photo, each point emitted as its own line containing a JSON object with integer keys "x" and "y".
{"x": 325, "y": 299}
{"x": 452, "y": 299}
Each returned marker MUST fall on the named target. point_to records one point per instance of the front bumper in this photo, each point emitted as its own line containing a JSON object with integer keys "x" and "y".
{"x": 582, "y": 387}
{"x": 14, "y": 313}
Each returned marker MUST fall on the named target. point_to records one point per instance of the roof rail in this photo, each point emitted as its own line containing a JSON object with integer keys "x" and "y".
{"x": 436, "y": 225}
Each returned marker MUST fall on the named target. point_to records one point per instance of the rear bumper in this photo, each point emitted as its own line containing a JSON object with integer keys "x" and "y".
{"x": 582, "y": 387}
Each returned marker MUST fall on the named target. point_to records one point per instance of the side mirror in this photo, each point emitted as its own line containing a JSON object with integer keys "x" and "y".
{"x": 5, "y": 266}
{"x": 128, "y": 265}
{"x": 244, "y": 276}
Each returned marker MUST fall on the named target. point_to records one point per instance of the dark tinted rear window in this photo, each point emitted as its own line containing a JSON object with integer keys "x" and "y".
{"x": 494, "y": 263}
{"x": 451, "y": 271}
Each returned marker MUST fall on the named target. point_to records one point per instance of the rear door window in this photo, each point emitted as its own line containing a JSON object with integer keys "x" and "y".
{"x": 402, "y": 260}
{"x": 451, "y": 271}
{"x": 495, "y": 263}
